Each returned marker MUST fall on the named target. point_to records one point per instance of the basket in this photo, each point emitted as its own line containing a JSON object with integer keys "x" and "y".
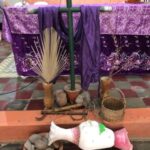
{"x": 113, "y": 109}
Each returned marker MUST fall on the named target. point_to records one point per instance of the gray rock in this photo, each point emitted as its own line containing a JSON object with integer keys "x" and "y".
{"x": 41, "y": 144}
{"x": 28, "y": 145}
{"x": 46, "y": 135}
{"x": 84, "y": 97}
{"x": 80, "y": 99}
{"x": 61, "y": 98}
{"x": 33, "y": 138}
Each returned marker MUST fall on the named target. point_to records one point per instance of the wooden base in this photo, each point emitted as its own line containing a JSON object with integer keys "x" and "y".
{"x": 19, "y": 125}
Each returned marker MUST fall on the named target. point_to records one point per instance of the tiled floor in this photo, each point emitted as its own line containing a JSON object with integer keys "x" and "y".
{"x": 19, "y": 93}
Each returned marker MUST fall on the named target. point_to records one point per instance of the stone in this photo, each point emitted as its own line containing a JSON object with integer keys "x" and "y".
{"x": 61, "y": 98}
{"x": 45, "y": 135}
{"x": 41, "y": 144}
{"x": 79, "y": 99}
{"x": 83, "y": 98}
{"x": 33, "y": 138}
{"x": 28, "y": 145}
{"x": 86, "y": 96}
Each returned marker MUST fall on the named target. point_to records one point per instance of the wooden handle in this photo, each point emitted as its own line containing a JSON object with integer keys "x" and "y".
{"x": 62, "y": 108}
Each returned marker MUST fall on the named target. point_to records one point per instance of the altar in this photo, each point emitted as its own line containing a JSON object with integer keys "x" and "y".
{"x": 126, "y": 28}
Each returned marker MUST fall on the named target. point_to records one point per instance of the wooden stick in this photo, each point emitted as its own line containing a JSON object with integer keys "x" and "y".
{"x": 67, "y": 113}
{"x": 48, "y": 111}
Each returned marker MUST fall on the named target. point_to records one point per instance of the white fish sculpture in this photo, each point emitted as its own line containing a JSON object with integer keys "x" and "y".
{"x": 91, "y": 135}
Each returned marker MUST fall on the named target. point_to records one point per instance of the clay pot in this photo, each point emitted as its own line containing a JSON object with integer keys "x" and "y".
{"x": 105, "y": 86}
{"x": 48, "y": 95}
{"x": 72, "y": 94}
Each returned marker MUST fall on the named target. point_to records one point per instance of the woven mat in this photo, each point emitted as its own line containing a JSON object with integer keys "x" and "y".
{"x": 8, "y": 68}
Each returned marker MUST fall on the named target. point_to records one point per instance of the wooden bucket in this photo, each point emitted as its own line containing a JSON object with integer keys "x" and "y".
{"x": 113, "y": 109}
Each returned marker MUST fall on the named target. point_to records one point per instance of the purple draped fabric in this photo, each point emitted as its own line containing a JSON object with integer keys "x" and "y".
{"x": 51, "y": 17}
{"x": 90, "y": 45}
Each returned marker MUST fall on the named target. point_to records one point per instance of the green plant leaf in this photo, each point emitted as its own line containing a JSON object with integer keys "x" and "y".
{"x": 102, "y": 128}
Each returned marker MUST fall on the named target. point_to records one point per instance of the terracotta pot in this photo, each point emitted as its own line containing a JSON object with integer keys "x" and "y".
{"x": 105, "y": 86}
{"x": 48, "y": 95}
{"x": 72, "y": 94}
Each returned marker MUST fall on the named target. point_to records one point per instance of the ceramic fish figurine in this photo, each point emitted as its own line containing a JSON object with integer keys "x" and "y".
{"x": 91, "y": 135}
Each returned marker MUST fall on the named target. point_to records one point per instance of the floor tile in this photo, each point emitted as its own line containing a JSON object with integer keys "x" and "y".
{"x": 7, "y": 96}
{"x": 147, "y": 101}
{"x": 135, "y": 103}
{"x": 4, "y": 80}
{"x": 35, "y": 105}
{"x": 134, "y": 78}
{"x": 24, "y": 95}
{"x": 39, "y": 87}
{"x": 3, "y": 104}
{"x": 16, "y": 105}
{"x": 120, "y": 78}
{"x": 59, "y": 86}
{"x": 144, "y": 94}
{"x": 139, "y": 83}
{"x": 148, "y": 82}
{"x": 1, "y": 87}
{"x": 146, "y": 77}
{"x": 12, "y": 146}
{"x": 27, "y": 79}
{"x": 28, "y": 86}
{"x": 122, "y": 85}
{"x": 37, "y": 94}
{"x": 129, "y": 93}
{"x": 10, "y": 86}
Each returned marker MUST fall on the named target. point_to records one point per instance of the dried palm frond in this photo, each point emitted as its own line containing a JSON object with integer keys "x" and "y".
{"x": 50, "y": 57}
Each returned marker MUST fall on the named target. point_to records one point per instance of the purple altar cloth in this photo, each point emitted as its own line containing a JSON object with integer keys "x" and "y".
{"x": 131, "y": 38}
{"x": 125, "y": 19}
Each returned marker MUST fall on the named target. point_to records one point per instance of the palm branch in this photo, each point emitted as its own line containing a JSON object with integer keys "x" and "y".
{"x": 50, "y": 57}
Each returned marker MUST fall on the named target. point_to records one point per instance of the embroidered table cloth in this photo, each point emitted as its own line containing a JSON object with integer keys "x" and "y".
{"x": 125, "y": 30}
